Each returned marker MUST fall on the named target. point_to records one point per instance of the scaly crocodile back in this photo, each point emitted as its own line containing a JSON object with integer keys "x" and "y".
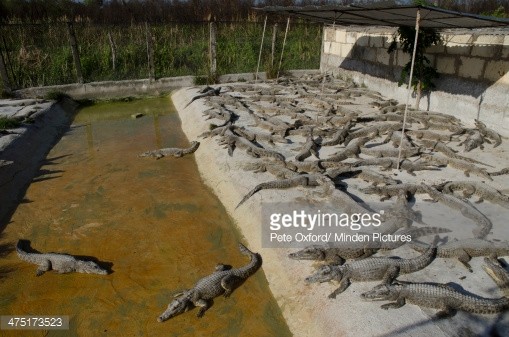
{"x": 442, "y": 296}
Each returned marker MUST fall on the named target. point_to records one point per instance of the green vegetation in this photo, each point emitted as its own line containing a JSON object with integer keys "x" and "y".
{"x": 424, "y": 73}
{"x": 40, "y": 54}
{"x": 8, "y": 123}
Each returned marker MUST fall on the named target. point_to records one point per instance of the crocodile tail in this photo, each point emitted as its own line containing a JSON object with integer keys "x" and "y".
{"x": 423, "y": 231}
{"x": 21, "y": 250}
{"x": 252, "y": 266}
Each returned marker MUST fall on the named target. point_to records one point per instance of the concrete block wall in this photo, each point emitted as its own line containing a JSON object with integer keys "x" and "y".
{"x": 473, "y": 67}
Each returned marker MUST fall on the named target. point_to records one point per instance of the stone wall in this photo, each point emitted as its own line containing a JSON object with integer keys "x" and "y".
{"x": 473, "y": 67}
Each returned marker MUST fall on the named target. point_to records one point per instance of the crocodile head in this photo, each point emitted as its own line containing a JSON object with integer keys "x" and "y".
{"x": 309, "y": 253}
{"x": 90, "y": 267}
{"x": 179, "y": 305}
{"x": 382, "y": 292}
{"x": 326, "y": 273}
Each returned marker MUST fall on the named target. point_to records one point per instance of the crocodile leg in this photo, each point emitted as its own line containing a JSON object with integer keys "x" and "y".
{"x": 228, "y": 283}
{"x": 345, "y": 283}
{"x": 204, "y": 306}
{"x": 391, "y": 273}
{"x": 447, "y": 312}
{"x": 394, "y": 305}
{"x": 43, "y": 267}
{"x": 465, "y": 258}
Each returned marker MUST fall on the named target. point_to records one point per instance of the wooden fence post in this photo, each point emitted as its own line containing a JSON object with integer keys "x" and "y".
{"x": 113, "y": 51}
{"x": 75, "y": 52}
{"x": 273, "y": 50}
{"x": 150, "y": 54}
{"x": 3, "y": 73}
{"x": 212, "y": 50}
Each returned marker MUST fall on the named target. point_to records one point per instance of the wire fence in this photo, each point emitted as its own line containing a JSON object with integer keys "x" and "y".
{"x": 41, "y": 54}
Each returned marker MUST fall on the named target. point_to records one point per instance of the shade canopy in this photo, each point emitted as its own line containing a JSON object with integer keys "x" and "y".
{"x": 431, "y": 17}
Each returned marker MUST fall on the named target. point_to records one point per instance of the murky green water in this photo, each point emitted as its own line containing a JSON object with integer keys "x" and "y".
{"x": 153, "y": 220}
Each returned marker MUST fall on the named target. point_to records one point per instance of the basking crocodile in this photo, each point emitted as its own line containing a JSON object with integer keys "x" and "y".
{"x": 465, "y": 207}
{"x": 172, "y": 151}
{"x": 488, "y": 133}
{"x": 336, "y": 255}
{"x": 429, "y": 135}
{"x": 208, "y": 91}
{"x": 441, "y": 147}
{"x": 61, "y": 263}
{"x": 497, "y": 272}
{"x": 371, "y": 269}
{"x": 458, "y": 164}
{"x": 306, "y": 180}
{"x": 465, "y": 249}
{"x": 231, "y": 141}
{"x": 351, "y": 150}
{"x": 434, "y": 295}
{"x": 369, "y": 131}
{"x": 389, "y": 191}
{"x": 474, "y": 140}
{"x": 387, "y": 163}
{"x": 339, "y": 136}
{"x": 222, "y": 282}
{"x": 310, "y": 147}
{"x": 469, "y": 188}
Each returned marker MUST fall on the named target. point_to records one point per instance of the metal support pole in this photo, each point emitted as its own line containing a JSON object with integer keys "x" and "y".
{"x": 261, "y": 48}
{"x": 282, "y": 50}
{"x": 212, "y": 50}
{"x": 409, "y": 93}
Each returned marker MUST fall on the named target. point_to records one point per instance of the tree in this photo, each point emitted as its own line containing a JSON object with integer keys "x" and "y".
{"x": 424, "y": 73}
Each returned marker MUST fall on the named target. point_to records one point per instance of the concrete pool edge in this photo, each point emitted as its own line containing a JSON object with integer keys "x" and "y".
{"x": 27, "y": 149}
{"x": 302, "y": 316}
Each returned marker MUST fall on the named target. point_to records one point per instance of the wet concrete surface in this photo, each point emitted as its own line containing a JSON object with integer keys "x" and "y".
{"x": 153, "y": 221}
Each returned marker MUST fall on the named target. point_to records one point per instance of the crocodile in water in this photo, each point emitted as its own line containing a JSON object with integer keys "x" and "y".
{"x": 171, "y": 151}
{"x": 61, "y": 263}
{"x": 222, "y": 282}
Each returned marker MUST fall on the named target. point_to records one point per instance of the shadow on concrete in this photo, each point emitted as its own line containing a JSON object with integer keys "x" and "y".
{"x": 363, "y": 58}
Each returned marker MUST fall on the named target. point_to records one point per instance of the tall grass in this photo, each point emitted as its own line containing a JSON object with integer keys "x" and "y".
{"x": 40, "y": 54}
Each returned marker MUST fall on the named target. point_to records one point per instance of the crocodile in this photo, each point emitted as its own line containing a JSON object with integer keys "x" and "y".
{"x": 209, "y": 92}
{"x": 389, "y": 191}
{"x": 390, "y": 152}
{"x": 222, "y": 282}
{"x": 388, "y": 163}
{"x": 498, "y": 273}
{"x": 279, "y": 171}
{"x": 469, "y": 188}
{"x": 310, "y": 147}
{"x": 258, "y": 136}
{"x": 441, "y": 147}
{"x": 365, "y": 174}
{"x": 466, "y": 208}
{"x": 395, "y": 138}
{"x": 339, "y": 136}
{"x": 429, "y": 135}
{"x": 61, "y": 263}
{"x": 371, "y": 269}
{"x": 306, "y": 180}
{"x": 500, "y": 173}
{"x": 458, "y": 164}
{"x": 377, "y": 129}
{"x": 488, "y": 133}
{"x": 351, "y": 150}
{"x": 172, "y": 151}
{"x": 336, "y": 255}
{"x": 465, "y": 249}
{"x": 436, "y": 296}
{"x": 232, "y": 141}
{"x": 473, "y": 140}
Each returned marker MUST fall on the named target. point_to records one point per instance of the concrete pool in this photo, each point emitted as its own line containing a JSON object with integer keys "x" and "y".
{"x": 153, "y": 221}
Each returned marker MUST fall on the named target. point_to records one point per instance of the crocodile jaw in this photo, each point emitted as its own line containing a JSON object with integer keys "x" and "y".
{"x": 176, "y": 307}
{"x": 324, "y": 274}
{"x": 381, "y": 292}
{"x": 90, "y": 267}
{"x": 309, "y": 253}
